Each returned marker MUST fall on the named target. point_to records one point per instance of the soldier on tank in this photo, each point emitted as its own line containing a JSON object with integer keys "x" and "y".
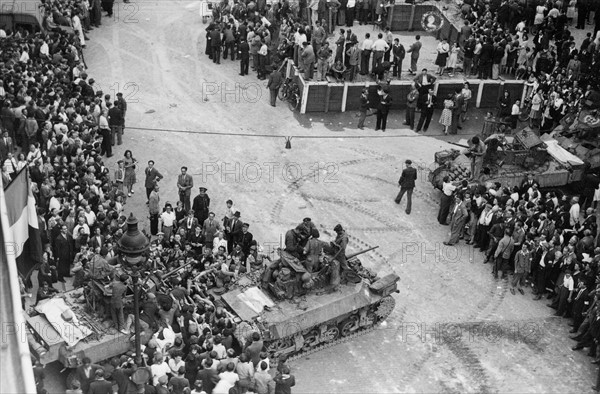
{"x": 292, "y": 243}
{"x": 313, "y": 250}
{"x": 307, "y": 228}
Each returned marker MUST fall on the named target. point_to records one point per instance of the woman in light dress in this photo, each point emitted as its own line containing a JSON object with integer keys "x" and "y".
{"x": 453, "y": 59}
{"x": 446, "y": 117}
{"x": 467, "y": 95}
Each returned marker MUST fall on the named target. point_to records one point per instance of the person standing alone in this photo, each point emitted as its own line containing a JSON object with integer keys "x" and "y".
{"x": 407, "y": 184}
{"x": 274, "y": 83}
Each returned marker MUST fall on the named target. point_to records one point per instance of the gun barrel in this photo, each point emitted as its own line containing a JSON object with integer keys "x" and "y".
{"x": 348, "y": 257}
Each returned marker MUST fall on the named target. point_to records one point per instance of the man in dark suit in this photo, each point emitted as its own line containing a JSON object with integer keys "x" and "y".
{"x": 189, "y": 222}
{"x": 458, "y": 219}
{"x": 244, "y": 54}
{"x": 208, "y": 375}
{"x": 485, "y": 59}
{"x": 119, "y": 288}
{"x": 63, "y": 252}
{"x": 427, "y": 110}
{"x": 100, "y": 385}
{"x": 153, "y": 176}
{"x": 210, "y": 228}
{"x": 201, "y": 205}
{"x": 407, "y": 184}
{"x": 235, "y": 231}
{"x": 254, "y": 349}
{"x": 6, "y": 146}
{"x": 185, "y": 182}
{"x": 414, "y": 51}
{"x": 424, "y": 82}
{"x": 246, "y": 240}
{"x": 383, "y": 109}
{"x": 115, "y": 121}
{"x": 580, "y": 303}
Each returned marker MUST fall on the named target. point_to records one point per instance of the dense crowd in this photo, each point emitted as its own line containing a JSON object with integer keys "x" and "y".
{"x": 545, "y": 240}
{"x": 55, "y": 123}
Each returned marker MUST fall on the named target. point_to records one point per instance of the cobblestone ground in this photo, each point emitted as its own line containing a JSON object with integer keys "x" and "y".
{"x": 454, "y": 328}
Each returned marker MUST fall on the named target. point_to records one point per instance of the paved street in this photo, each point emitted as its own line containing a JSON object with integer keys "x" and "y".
{"x": 454, "y": 328}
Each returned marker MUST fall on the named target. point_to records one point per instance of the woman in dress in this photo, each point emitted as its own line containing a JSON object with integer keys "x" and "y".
{"x": 129, "y": 165}
{"x": 539, "y": 16}
{"x": 446, "y": 117}
{"x": 442, "y": 56}
{"x": 571, "y": 11}
{"x": 453, "y": 59}
{"x": 467, "y": 95}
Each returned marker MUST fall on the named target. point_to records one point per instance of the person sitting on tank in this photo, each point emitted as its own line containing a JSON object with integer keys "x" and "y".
{"x": 306, "y": 229}
{"x": 313, "y": 251}
{"x": 237, "y": 252}
{"x": 293, "y": 239}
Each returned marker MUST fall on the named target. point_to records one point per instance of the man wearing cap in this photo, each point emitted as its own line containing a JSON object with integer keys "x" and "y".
{"x": 119, "y": 288}
{"x": 185, "y": 182}
{"x": 385, "y": 102}
{"x": 292, "y": 242}
{"x": 201, "y": 205}
{"x": 407, "y": 184}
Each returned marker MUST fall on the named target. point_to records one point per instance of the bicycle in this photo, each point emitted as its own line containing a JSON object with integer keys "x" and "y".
{"x": 290, "y": 92}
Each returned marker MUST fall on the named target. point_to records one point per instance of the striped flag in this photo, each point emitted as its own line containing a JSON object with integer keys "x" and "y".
{"x": 18, "y": 202}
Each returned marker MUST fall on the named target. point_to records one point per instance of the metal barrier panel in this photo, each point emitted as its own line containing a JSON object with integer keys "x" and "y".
{"x": 446, "y": 88}
{"x": 336, "y": 93}
{"x": 401, "y": 17}
{"x": 353, "y": 97}
{"x": 399, "y": 93}
{"x": 316, "y": 99}
{"x": 491, "y": 94}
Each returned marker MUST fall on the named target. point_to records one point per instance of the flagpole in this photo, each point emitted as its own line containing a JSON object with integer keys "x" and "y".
{"x": 14, "y": 293}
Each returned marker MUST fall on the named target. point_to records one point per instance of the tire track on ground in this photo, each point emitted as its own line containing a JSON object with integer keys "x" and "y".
{"x": 471, "y": 362}
{"x": 486, "y": 309}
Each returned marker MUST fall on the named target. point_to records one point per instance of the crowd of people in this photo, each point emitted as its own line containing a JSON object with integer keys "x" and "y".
{"x": 61, "y": 129}
{"x": 544, "y": 240}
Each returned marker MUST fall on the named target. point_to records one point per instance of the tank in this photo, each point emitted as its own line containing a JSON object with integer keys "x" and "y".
{"x": 509, "y": 159}
{"x": 300, "y": 314}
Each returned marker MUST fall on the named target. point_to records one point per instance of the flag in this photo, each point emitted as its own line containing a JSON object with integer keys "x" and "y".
{"x": 19, "y": 204}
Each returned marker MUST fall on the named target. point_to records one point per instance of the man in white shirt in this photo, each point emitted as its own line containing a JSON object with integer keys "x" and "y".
{"x": 379, "y": 48}
{"x": 90, "y": 216}
{"x": 565, "y": 293}
{"x": 227, "y": 380}
{"x": 365, "y": 48}
{"x": 24, "y": 55}
{"x": 81, "y": 224}
{"x": 167, "y": 219}
{"x": 574, "y": 212}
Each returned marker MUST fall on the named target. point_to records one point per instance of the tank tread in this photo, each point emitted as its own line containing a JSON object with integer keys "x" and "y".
{"x": 336, "y": 342}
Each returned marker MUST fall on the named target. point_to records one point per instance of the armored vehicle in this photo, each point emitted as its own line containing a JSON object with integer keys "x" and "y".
{"x": 296, "y": 314}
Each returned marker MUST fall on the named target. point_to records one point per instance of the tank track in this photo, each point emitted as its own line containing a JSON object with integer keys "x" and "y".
{"x": 358, "y": 333}
{"x": 383, "y": 310}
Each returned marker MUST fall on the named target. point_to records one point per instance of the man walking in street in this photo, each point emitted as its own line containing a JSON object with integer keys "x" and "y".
{"x": 364, "y": 107}
{"x": 407, "y": 184}
{"x": 152, "y": 178}
{"x": 274, "y": 83}
{"x": 414, "y": 51}
{"x": 185, "y": 182}
{"x": 153, "y": 209}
